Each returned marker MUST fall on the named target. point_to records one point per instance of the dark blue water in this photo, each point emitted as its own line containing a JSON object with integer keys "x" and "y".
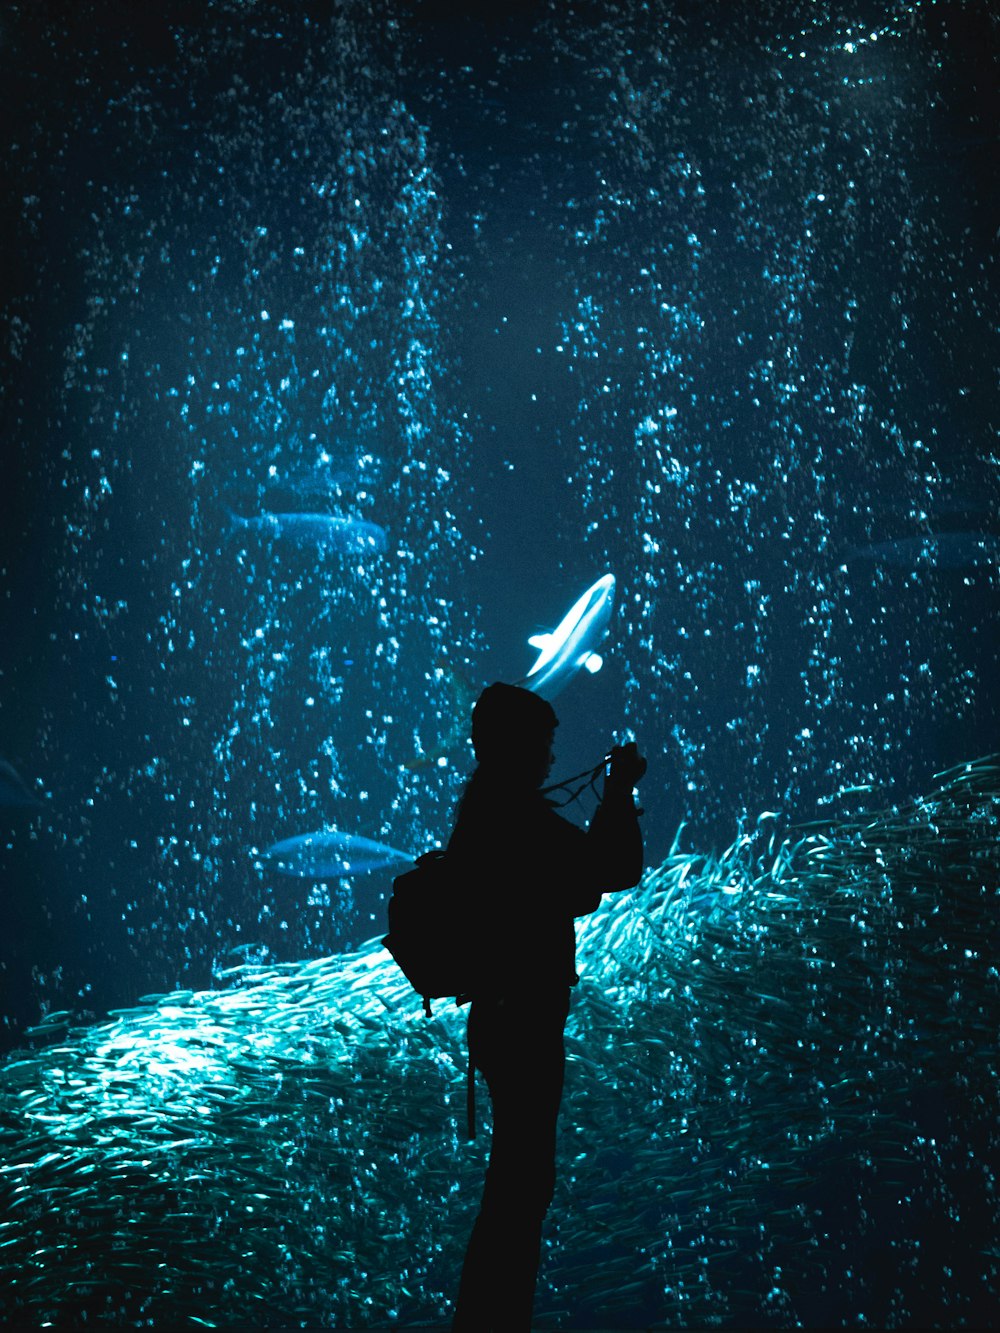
{"x": 695, "y": 296}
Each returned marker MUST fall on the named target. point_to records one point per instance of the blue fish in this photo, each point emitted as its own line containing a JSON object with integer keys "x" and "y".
{"x": 328, "y": 854}
{"x": 571, "y": 645}
{"x": 331, "y": 532}
{"x": 943, "y": 550}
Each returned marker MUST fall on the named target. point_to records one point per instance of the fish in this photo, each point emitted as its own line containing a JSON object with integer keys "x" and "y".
{"x": 943, "y": 550}
{"x": 945, "y": 498}
{"x": 329, "y": 854}
{"x": 570, "y": 647}
{"x": 14, "y": 791}
{"x": 344, "y": 535}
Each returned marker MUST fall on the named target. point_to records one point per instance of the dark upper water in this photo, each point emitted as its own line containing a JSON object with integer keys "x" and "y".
{"x": 697, "y": 296}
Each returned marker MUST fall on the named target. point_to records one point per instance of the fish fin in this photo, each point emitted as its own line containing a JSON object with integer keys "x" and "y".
{"x": 540, "y": 641}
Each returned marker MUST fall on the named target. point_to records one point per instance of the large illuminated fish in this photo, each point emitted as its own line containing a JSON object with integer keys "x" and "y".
{"x": 328, "y": 854}
{"x": 571, "y": 645}
{"x": 330, "y": 532}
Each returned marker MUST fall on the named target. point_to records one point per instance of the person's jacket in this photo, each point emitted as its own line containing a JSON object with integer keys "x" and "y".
{"x": 531, "y": 872}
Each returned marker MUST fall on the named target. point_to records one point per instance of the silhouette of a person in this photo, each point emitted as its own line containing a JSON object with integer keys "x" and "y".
{"x": 532, "y": 873}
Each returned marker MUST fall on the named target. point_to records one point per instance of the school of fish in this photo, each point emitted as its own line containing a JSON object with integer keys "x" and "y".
{"x": 781, "y": 1108}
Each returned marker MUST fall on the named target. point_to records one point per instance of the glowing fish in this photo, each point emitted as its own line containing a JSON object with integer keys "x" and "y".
{"x": 570, "y": 647}
{"x": 332, "y": 532}
{"x": 328, "y": 854}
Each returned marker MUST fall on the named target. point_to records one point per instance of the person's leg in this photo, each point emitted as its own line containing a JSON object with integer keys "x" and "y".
{"x": 521, "y": 1055}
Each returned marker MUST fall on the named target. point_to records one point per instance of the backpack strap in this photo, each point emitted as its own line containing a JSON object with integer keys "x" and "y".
{"x": 470, "y": 1090}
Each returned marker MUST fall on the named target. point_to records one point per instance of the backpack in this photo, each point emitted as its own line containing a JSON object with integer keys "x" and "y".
{"x": 428, "y": 930}
{"x": 433, "y": 938}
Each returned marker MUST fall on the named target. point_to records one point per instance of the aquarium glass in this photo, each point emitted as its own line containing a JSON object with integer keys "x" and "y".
{"x": 349, "y": 347}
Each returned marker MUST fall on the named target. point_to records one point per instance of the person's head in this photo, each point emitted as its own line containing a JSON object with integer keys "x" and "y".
{"x": 512, "y": 733}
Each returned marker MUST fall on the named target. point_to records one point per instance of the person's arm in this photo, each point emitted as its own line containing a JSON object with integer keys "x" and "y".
{"x": 614, "y": 838}
{"x": 608, "y": 856}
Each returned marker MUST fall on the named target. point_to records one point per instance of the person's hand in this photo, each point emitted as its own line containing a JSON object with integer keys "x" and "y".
{"x": 627, "y": 766}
